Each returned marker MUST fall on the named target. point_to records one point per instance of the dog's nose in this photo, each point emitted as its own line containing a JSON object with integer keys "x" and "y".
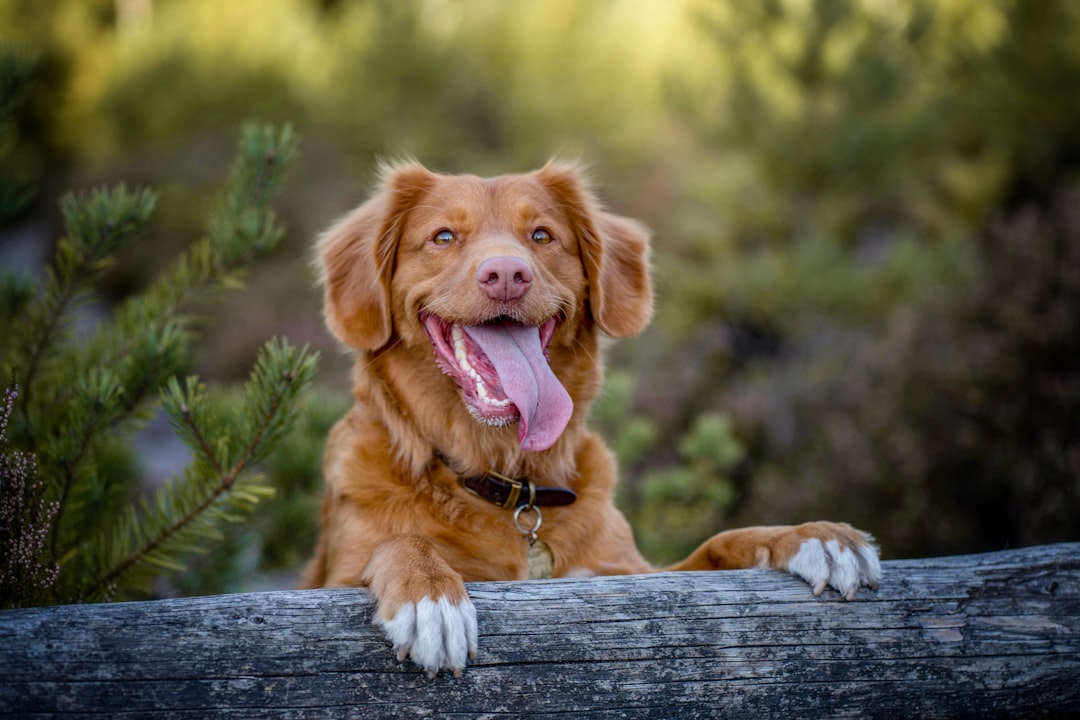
{"x": 504, "y": 278}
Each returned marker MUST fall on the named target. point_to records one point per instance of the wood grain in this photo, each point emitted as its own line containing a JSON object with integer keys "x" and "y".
{"x": 988, "y": 636}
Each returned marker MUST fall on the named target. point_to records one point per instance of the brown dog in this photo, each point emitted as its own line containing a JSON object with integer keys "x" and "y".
{"x": 479, "y": 307}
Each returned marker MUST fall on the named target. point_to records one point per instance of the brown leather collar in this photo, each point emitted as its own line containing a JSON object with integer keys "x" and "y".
{"x": 509, "y": 493}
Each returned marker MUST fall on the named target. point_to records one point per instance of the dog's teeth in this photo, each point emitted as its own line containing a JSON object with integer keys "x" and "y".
{"x": 462, "y": 357}
{"x": 482, "y": 393}
{"x": 459, "y": 348}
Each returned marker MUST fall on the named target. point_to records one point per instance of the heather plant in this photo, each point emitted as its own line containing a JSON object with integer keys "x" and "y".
{"x": 25, "y": 519}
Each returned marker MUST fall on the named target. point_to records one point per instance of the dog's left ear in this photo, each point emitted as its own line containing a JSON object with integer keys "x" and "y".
{"x": 614, "y": 252}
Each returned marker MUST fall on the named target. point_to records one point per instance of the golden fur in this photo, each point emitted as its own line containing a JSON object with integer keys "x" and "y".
{"x": 395, "y": 518}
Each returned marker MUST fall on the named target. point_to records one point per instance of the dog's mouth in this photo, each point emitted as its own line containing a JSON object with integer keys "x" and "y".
{"x": 502, "y": 369}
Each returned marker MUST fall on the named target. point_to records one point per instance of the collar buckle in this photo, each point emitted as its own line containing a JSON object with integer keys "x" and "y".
{"x": 514, "y": 497}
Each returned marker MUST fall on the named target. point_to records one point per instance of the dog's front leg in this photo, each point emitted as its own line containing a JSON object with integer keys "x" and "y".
{"x": 821, "y": 553}
{"x": 422, "y": 604}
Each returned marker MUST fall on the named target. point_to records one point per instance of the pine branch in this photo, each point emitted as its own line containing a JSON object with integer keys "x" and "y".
{"x": 146, "y": 338}
{"x": 242, "y": 225}
{"x": 156, "y": 357}
{"x": 192, "y": 422}
{"x": 241, "y": 230}
{"x": 101, "y": 406}
{"x": 280, "y": 373}
{"x": 77, "y": 396}
{"x": 95, "y": 406}
{"x": 96, "y": 224}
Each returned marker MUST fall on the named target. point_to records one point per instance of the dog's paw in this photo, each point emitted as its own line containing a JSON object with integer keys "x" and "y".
{"x": 834, "y": 555}
{"x": 436, "y": 634}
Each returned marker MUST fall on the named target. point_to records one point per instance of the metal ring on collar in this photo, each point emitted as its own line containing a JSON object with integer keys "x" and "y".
{"x": 517, "y": 523}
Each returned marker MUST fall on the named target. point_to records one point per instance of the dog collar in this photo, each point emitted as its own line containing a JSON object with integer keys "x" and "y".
{"x": 510, "y": 494}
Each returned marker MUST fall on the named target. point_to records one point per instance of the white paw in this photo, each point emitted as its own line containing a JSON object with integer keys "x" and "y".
{"x": 844, "y": 568}
{"x": 436, "y": 634}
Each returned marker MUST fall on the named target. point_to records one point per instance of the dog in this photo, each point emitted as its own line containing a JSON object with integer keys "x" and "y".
{"x": 479, "y": 309}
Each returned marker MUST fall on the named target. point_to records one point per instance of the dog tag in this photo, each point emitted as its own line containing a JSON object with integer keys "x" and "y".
{"x": 541, "y": 561}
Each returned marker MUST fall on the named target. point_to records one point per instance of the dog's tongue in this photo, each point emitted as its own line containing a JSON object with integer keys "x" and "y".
{"x": 542, "y": 402}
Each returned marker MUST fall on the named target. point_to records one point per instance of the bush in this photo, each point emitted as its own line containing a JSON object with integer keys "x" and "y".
{"x": 70, "y": 529}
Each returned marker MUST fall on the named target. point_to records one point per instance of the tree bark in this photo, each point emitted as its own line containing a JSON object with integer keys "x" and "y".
{"x": 987, "y": 636}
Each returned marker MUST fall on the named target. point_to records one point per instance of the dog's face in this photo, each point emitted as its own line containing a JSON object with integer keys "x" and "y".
{"x": 495, "y": 278}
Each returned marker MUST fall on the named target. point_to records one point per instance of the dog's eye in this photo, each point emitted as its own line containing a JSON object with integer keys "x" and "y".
{"x": 541, "y": 236}
{"x": 443, "y": 237}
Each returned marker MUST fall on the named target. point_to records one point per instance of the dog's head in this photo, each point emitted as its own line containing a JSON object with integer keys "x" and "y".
{"x": 498, "y": 276}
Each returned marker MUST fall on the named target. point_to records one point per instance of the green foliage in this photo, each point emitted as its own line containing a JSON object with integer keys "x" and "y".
{"x": 838, "y": 227}
{"x": 16, "y": 70}
{"x": 631, "y": 436}
{"x": 279, "y": 536}
{"x": 675, "y": 506}
{"x": 86, "y": 388}
{"x": 965, "y": 419}
{"x": 839, "y": 184}
{"x": 683, "y": 504}
{"x": 824, "y": 178}
{"x": 217, "y": 488}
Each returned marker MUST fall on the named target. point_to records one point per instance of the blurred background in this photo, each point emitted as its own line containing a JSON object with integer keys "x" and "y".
{"x": 866, "y": 217}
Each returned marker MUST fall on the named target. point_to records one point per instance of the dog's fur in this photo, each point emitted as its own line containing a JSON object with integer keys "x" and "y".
{"x": 399, "y": 272}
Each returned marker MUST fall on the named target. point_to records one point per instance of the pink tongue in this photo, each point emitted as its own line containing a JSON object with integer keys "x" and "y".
{"x": 542, "y": 402}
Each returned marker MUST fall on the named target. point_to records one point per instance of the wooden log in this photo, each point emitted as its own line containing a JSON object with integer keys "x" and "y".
{"x": 987, "y": 636}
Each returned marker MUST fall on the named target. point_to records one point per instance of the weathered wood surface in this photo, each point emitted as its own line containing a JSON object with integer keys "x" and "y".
{"x": 984, "y": 636}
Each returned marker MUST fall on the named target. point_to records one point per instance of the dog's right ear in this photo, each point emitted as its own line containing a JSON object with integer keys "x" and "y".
{"x": 614, "y": 253}
{"x": 356, "y": 258}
